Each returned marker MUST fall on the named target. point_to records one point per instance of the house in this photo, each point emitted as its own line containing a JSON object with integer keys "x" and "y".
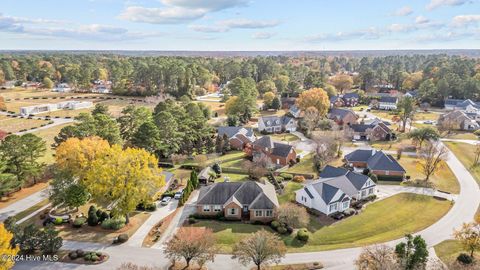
{"x": 249, "y": 200}
{"x": 334, "y": 190}
{"x": 459, "y": 120}
{"x": 342, "y": 116}
{"x": 374, "y": 131}
{"x": 62, "y": 88}
{"x": 8, "y": 85}
{"x": 34, "y": 85}
{"x": 348, "y": 100}
{"x": 102, "y": 87}
{"x": 413, "y": 94}
{"x": 388, "y": 103}
{"x": 278, "y": 154}
{"x": 276, "y": 124}
{"x": 460, "y": 104}
{"x": 384, "y": 166}
{"x": 336, "y": 101}
{"x": 74, "y": 105}
{"x": 49, "y": 107}
{"x": 205, "y": 175}
{"x": 294, "y": 111}
{"x": 238, "y": 137}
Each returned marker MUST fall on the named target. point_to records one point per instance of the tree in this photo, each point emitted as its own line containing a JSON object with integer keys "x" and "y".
{"x": 330, "y": 89}
{"x": 412, "y": 254}
{"x": 406, "y": 107}
{"x": 377, "y": 257}
{"x": 8, "y": 182}
{"x": 476, "y": 155}
{"x": 266, "y": 86}
{"x": 293, "y": 215}
{"x": 281, "y": 83}
{"x": 201, "y": 160}
{"x": 50, "y": 242}
{"x": 268, "y": 99}
{"x": 469, "y": 236}
{"x": 325, "y": 151}
{"x": 311, "y": 119}
{"x": 6, "y": 249}
{"x": 255, "y": 170}
{"x": 192, "y": 244}
{"x": 315, "y": 97}
{"x": 431, "y": 155}
{"x": 28, "y": 238}
{"x": 100, "y": 108}
{"x": 47, "y": 83}
{"x": 276, "y": 103}
{"x": 260, "y": 248}
{"x": 147, "y": 137}
{"x": 420, "y": 135}
{"x": 76, "y": 195}
{"x": 131, "y": 119}
{"x": 342, "y": 82}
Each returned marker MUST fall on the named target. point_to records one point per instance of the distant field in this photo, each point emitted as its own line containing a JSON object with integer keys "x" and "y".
{"x": 13, "y": 125}
{"x": 48, "y": 136}
{"x": 27, "y": 93}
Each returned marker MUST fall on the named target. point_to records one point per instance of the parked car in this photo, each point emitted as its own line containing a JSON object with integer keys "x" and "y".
{"x": 429, "y": 122}
{"x": 165, "y": 200}
{"x": 178, "y": 195}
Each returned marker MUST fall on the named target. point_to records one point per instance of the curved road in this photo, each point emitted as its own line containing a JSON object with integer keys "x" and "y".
{"x": 463, "y": 210}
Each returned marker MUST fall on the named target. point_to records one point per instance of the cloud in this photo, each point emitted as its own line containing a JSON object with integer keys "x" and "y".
{"x": 370, "y": 33}
{"x": 421, "y": 20}
{"x": 209, "y": 29}
{"x": 227, "y": 25}
{"x": 448, "y": 36}
{"x": 178, "y": 11}
{"x": 263, "y": 35}
{"x": 439, "y": 3}
{"x": 401, "y": 28}
{"x": 465, "y": 20}
{"x": 403, "y": 11}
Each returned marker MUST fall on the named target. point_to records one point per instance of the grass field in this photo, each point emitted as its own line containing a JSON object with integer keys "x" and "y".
{"x": 24, "y": 192}
{"x": 285, "y": 137}
{"x": 463, "y": 136}
{"x": 306, "y": 165}
{"x": 289, "y": 192}
{"x": 426, "y": 116}
{"x": 448, "y": 250}
{"x": 443, "y": 179}
{"x": 13, "y": 125}
{"x": 464, "y": 153}
{"x": 48, "y": 136}
{"x": 381, "y": 221}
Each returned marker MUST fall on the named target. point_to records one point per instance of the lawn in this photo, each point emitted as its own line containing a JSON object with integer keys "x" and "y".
{"x": 289, "y": 192}
{"x": 423, "y": 116}
{"x": 306, "y": 165}
{"x": 233, "y": 177}
{"x": 215, "y": 107}
{"x": 10, "y": 124}
{"x": 231, "y": 156}
{"x": 388, "y": 115}
{"x": 31, "y": 210}
{"x": 464, "y": 152}
{"x": 443, "y": 179}
{"x": 448, "y": 250}
{"x": 463, "y": 136}
{"x": 285, "y": 137}
{"x": 381, "y": 221}
{"x": 48, "y": 136}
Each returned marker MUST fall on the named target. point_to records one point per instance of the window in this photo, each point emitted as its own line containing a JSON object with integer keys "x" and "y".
{"x": 370, "y": 191}
{"x": 333, "y": 207}
{"x": 364, "y": 193}
{"x": 268, "y": 213}
{"x": 206, "y": 208}
{"x": 278, "y": 161}
{"x": 245, "y": 208}
{"x": 258, "y": 213}
{"x": 217, "y": 208}
{"x": 346, "y": 204}
{"x": 232, "y": 211}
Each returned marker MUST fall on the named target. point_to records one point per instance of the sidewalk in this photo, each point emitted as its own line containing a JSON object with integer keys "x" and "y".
{"x": 23, "y": 204}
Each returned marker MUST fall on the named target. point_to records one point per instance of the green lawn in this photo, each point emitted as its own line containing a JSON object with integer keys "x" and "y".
{"x": 463, "y": 136}
{"x": 48, "y": 136}
{"x": 233, "y": 155}
{"x": 448, "y": 250}
{"x": 443, "y": 179}
{"x": 285, "y": 137}
{"x": 306, "y": 165}
{"x": 421, "y": 116}
{"x": 234, "y": 177}
{"x": 289, "y": 192}
{"x": 30, "y": 210}
{"x": 381, "y": 221}
{"x": 464, "y": 152}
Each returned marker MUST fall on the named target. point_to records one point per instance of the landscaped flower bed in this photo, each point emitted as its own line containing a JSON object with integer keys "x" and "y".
{"x": 84, "y": 257}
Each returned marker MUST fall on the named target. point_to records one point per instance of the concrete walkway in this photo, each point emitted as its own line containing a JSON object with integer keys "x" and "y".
{"x": 385, "y": 191}
{"x": 23, "y": 204}
{"x": 162, "y": 212}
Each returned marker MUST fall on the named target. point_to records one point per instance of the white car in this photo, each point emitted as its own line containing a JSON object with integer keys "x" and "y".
{"x": 165, "y": 200}
{"x": 429, "y": 122}
{"x": 178, "y": 195}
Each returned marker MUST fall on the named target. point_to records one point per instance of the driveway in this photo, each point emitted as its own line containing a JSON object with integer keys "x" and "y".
{"x": 23, "y": 204}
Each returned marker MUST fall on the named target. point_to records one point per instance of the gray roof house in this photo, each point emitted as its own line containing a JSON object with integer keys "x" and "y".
{"x": 384, "y": 166}
{"x": 276, "y": 124}
{"x": 388, "y": 103}
{"x": 460, "y": 104}
{"x": 239, "y": 200}
{"x": 459, "y": 120}
{"x": 334, "y": 190}
{"x": 295, "y": 111}
{"x": 238, "y": 137}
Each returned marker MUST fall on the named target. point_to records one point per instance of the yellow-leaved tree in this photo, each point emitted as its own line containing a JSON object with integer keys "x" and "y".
{"x": 123, "y": 178}
{"x": 7, "y": 251}
{"x": 315, "y": 97}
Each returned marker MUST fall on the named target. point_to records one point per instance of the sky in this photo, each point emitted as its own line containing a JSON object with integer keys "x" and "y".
{"x": 233, "y": 25}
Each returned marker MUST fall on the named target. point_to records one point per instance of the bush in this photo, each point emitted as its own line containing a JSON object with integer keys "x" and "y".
{"x": 72, "y": 255}
{"x": 275, "y": 224}
{"x": 114, "y": 223}
{"x": 92, "y": 219}
{"x": 279, "y": 179}
{"x": 298, "y": 179}
{"x": 349, "y": 212}
{"x": 58, "y": 221}
{"x": 122, "y": 238}
{"x": 151, "y": 207}
{"x": 78, "y": 223}
{"x": 103, "y": 216}
{"x": 192, "y": 220}
{"x": 289, "y": 229}
{"x": 80, "y": 253}
{"x": 258, "y": 222}
{"x": 464, "y": 258}
{"x": 286, "y": 176}
{"x": 282, "y": 230}
{"x": 302, "y": 235}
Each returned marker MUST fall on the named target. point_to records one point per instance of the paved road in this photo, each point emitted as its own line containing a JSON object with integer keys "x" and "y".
{"x": 473, "y": 142}
{"x": 56, "y": 122}
{"x": 23, "y": 204}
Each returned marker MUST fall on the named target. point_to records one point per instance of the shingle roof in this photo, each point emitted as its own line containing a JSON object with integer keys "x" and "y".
{"x": 341, "y": 113}
{"x": 271, "y": 121}
{"x": 346, "y": 180}
{"x": 330, "y": 171}
{"x": 360, "y": 155}
{"x": 360, "y": 127}
{"x": 388, "y": 99}
{"x": 232, "y": 131}
{"x": 381, "y": 161}
{"x": 294, "y": 109}
{"x": 264, "y": 141}
{"x": 351, "y": 95}
{"x": 281, "y": 149}
{"x": 453, "y": 102}
{"x": 326, "y": 191}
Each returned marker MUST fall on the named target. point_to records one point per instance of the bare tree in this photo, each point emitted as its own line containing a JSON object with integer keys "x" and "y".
{"x": 254, "y": 169}
{"x": 192, "y": 244}
{"x": 260, "y": 248}
{"x": 431, "y": 155}
{"x": 311, "y": 119}
{"x": 201, "y": 160}
{"x": 378, "y": 257}
{"x": 325, "y": 150}
{"x": 340, "y": 135}
{"x": 293, "y": 215}
{"x": 178, "y": 158}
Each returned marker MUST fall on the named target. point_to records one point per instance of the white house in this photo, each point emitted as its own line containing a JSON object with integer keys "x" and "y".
{"x": 36, "y": 109}
{"x": 388, "y": 103}
{"x": 62, "y": 88}
{"x": 335, "y": 189}
{"x": 276, "y": 124}
{"x": 74, "y": 105}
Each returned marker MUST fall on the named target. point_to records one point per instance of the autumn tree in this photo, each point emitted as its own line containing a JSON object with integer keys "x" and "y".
{"x": 342, "y": 82}
{"x": 268, "y": 99}
{"x": 310, "y": 119}
{"x": 6, "y": 248}
{"x": 266, "y": 86}
{"x": 406, "y": 108}
{"x": 377, "y": 257}
{"x": 469, "y": 236}
{"x": 192, "y": 244}
{"x": 293, "y": 215}
{"x": 259, "y": 248}
{"x": 48, "y": 83}
{"x": 420, "y": 135}
{"x": 430, "y": 156}
{"x": 315, "y": 97}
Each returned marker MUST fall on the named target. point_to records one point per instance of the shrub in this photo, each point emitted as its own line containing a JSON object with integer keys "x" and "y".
{"x": 122, "y": 238}
{"x": 151, "y": 207}
{"x": 103, "y": 216}
{"x": 282, "y": 230}
{"x": 289, "y": 229}
{"x": 275, "y": 224}
{"x": 92, "y": 219}
{"x": 464, "y": 258}
{"x": 286, "y": 176}
{"x": 279, "y": 179}
{"x": 192, "y": 220}
{"x": 80, "y": 253}
{"x": 58, "y": 221}
{"x": 114, "y": 223}
{"x": 349, "y": 212}
{"x": 72, "y": 255}
{"x": 79, "y": 222}
{"x": 302, "y": 235}
{"x": 298, "y": 179}
{"x": 94, "y": 258}
{"x": 258, "y": 222}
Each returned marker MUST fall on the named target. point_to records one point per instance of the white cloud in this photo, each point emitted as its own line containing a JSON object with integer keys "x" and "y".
{"x": 438, "y": 3}
{"x": 210, "y": 5}
{"x": 227, "y": 25}
{"x": 263, "y": 35}
{"x": 209, "y": 29}
{"x": 369, "y": 33}
{"x": 403, "y": 11}
{"x": 464, "y": 20}
{"x": 421, "y": 20}
{"x": 401, "y": 27}
{"x": 447, "y": 36}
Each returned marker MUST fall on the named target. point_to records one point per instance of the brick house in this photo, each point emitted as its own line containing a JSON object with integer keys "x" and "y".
{"x": 346, "y": 100}
{"x": 279, "y": 154}
{"x": 342, "y": 116}
{"x": 238, "y": 137}
{"x": 375, "y": 131}
{"x": 249, "y": 200}
{"x": 384, "y": 166}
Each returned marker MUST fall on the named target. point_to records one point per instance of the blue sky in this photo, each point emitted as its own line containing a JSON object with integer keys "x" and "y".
{"x": 239, "y": 24}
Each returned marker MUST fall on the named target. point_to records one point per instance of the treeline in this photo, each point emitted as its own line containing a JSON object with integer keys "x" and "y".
{"x": 190, "y": 76}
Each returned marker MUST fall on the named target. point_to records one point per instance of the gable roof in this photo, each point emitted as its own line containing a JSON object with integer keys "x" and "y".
{"x": 294, "y": 109}
{"x": 254, "y": 194}
{"x": 388, "y": 99}
{"x": 341, "y": 113}
{"x": 351, "y": 95}
{"x": 265, "y": 142}
{"x": 381, "y": 161}
{"x": 330, "y": 171}
{"x": 281, "y": 149}
{"x": 452, "y": 101}
{"x": 348, "y": 181}
{"x": 272, "y": 121}
{"x": 327, "y": 192}
{"x": 360, "y": 127}
{"x": 359, "y": 155}
{"x": 233, "y": 131}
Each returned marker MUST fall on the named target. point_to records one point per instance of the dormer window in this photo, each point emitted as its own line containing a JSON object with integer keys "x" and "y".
{"x": 277, "y": 122}
{"x": 268, "y": 122}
